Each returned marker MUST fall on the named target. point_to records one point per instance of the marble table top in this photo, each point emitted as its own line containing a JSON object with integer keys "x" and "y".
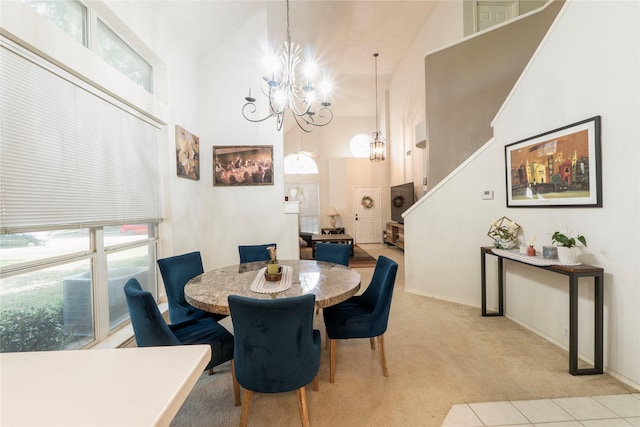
{"x": 331, "y": 284}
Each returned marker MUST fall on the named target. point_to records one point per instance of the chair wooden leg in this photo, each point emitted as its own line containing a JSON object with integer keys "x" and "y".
{"x": 246, "y": 407}
{"x": 385, "y": 371}
{"x": 326, "y": 340}
{"x": 373, "y": 343}
{"x": 302, "y": 403}
{"x": 236, "y": 386}
{"x": 316, "y": 382}
{"x": 211, "y": 371}
{"x": 332, "y": 360}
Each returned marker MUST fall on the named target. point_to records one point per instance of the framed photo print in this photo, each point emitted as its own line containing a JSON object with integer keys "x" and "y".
{"x": 559, "y": 168}
{"x": 243, "y": 165}
{"x": 187, "y": 154}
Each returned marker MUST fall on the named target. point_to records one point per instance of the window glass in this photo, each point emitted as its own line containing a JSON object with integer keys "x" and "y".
{"x": 18, "y": 248}
{"x": 120, "y": 55}
{"x": 48, "y": 309}
{"x": 308, "y": 194}
{"x": 68, "y": 15}
{"x": 136, "y": 263}
{"x": 126, "y": 233}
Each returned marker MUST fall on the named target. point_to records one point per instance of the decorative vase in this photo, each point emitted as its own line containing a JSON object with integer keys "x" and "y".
{"x": 273, "y": 268}
{"x": 567, "y": 255}
{"x": 504, "y": 244}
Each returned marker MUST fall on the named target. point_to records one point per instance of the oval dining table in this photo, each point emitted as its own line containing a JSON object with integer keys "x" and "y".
{"x": 330, "y": 283}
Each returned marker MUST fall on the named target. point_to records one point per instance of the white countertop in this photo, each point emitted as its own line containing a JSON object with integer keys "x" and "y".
{"x": 117, "y": 387}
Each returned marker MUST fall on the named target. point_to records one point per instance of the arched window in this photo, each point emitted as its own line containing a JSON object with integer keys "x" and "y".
{"x": 360, "y": 145}
{"x": 300, "y": 164}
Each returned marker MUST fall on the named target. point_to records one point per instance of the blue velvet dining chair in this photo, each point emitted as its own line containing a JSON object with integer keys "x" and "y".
{"x": 251, "y": 253}
{"x": 277, "y": 350}
{"x": 176, "y": 271}
{"x": 363, "y": 316}
{"x": 151, "y": 330}
{"x": 338, "y": 253}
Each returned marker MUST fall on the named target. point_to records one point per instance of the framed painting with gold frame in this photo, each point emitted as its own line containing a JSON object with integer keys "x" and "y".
{"x": 243, "y": 165}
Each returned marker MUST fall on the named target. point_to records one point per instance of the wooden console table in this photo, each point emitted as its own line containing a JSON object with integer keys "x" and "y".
{"x": 330, "y": 238}
{"x": 573, "y": 272}
{"x": 335, "y": 230}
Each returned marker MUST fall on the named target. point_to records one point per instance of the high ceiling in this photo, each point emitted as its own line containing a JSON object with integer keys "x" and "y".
{"x": 342, "y": 34}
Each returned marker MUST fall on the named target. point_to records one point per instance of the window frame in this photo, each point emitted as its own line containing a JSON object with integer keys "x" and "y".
{"x": 98, "y": 251}
{"x": 95, "y": 12}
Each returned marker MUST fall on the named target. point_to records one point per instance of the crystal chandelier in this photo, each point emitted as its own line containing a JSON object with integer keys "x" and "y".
{"x": 377, "y": 146}
{"x": 288, "y": 90}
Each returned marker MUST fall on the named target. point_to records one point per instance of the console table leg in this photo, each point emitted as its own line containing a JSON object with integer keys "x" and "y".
{"x": 483, "y": 285}
{"x": 483, "y": 282}
{"x": 500, "y": 286}
{"x": 573, "y": 325}
{"x": 598, "y": 327}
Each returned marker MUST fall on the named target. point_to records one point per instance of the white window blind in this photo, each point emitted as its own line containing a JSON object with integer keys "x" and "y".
{"x": 70, "y": 155}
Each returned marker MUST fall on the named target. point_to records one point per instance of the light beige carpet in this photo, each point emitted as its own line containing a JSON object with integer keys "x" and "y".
{"x": 439, "y": 354}
{"x": 360, "y": 258}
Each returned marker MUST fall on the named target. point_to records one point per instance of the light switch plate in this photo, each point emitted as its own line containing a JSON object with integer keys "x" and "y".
{"x": 487, "y": 195}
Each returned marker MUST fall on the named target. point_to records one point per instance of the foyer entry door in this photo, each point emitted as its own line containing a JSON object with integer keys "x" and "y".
{"x": 367, "y": 215}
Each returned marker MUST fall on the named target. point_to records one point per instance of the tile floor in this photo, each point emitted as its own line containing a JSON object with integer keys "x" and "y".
{"x": 596, "y": 411}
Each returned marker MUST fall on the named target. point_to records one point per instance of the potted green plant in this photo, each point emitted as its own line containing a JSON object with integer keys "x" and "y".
{"x": 567, "y": 246}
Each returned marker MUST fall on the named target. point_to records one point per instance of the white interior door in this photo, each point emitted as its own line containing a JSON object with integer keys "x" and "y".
{"x": 367, "y": 215}
{"x": 490, "y": 13}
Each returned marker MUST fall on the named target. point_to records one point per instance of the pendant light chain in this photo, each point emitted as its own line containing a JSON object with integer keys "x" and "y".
{"x": 288, "y": 24}
{"x": 375, "y": 55}
{"x": 377, "y": 146}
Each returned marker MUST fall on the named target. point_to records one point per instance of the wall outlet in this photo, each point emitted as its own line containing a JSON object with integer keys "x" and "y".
{"x": 565, "y": 333}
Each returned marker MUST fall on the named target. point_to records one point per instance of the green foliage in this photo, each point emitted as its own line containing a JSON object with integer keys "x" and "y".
{"x": 32, "y": 329}
{"x": 566, "y": 240}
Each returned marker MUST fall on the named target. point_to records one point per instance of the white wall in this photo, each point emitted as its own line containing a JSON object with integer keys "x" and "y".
{"x": 576, "y": 74}
{"x": 239, "y": 215}
{"x": 206, "y": 99}
{"x": 407, "y": 93}
{"x": 331, "y": 143}
{"x": 349, "y": 173}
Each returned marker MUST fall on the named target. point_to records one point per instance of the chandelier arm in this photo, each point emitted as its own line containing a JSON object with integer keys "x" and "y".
{"x": 284, "y": 92}
{"x": 252, "y": 110}
{"x": 304, "y": 124}
{"x": 321, "y": 113}
{"x": 279, "y": 122}
{"x": 296, "y": 112}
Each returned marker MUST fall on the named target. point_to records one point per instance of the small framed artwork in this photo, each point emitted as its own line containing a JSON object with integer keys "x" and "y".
{"x": 559, "y": 168}
{"x": 187, "y": 154}
{"x": 243, "y": 165}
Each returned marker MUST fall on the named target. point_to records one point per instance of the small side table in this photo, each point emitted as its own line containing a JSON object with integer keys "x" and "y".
{"x": 329, "y": 230}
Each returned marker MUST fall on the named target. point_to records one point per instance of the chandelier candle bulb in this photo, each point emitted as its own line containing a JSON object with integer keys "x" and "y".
{"x": 250, "y": 98}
